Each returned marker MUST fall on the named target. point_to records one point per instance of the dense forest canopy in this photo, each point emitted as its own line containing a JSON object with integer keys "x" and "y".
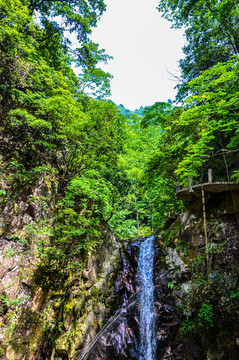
{"x": 211, "y": 34}
{"x": 204, "y": 132}
{"x": 51, "y": 129}
{"x": 112, "y": 165}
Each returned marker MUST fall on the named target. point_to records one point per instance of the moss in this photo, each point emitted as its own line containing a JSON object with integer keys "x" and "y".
{"x": 69, "y": 306}
{"x": 167, "y": 237}
{"x": 66, "y": 308}
{"x": 50, "y": 276}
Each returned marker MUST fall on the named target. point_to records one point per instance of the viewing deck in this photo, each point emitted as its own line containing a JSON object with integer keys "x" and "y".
{"x": 195, "y": 191}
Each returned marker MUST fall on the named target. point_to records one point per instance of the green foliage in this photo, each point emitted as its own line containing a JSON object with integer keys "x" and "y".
{"x": 211, "y": 36}
{"x": 205, "y": 315}
{"x": 136, "y": 210}
{"x": 211, "y": 121}
{"x": 205, "y": 133}
{"x": 9, "y": 253}
{"x": 109, "y": 165}
{"x": 129, "y": 113}
{"x": 96, "y": 82}
{"x": 170, "y": 285}
{"x": 49, "y": 127}
{"x": 52, "y": 132}
{"x": 39, "y": 232}
{"x": 123, "y": 222}
{"x": 77, "y": 17}
{"x": 157, "y": 114}
{"x": 7, "y": 302}
{"x": 212, "y": 306}
{"x": 151, "y": 196}
{"x": 9, "y": 309}
{"x": 235, "y": 294}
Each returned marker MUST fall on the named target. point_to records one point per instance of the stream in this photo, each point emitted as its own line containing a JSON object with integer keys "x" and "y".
{"x": 146, "y": 299}
{"x": 130, "y": 333}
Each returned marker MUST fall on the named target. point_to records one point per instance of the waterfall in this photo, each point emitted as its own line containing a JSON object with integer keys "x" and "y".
{"x": 123, "y": 324}
{"x": 146, "y": 300}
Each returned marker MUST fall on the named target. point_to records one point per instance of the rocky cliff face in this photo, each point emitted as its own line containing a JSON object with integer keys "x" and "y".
{"x": 57, "y": 323}
{"x": 119, "y": 338}
{"x": 94, "y": 313}
{"x": 201, "y": 289}
{"x": 197, "y": 291}
{"x": 196, "y": 294}
{"x": 50, "y": 319}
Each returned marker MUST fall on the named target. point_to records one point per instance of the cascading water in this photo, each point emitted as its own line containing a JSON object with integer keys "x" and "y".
{"x": 130, "y": 334}
{"x": 146, "y": 300}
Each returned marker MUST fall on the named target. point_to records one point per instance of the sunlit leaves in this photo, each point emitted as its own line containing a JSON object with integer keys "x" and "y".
{"x": 211, "y": 34}
{"x": 213, "y": 115}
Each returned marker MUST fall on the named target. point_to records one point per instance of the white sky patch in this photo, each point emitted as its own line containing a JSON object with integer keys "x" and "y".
{"x": 145, "y": 50}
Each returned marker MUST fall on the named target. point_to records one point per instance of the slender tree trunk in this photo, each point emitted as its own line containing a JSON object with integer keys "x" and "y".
{"x": 151, "y": 217}
{"x": 205, "y": 230}
{"x": 228, "y": 180}
{"x": 137, "y": 214}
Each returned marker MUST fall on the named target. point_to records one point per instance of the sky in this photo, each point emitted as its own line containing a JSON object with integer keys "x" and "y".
{"x": 145, "y": 51}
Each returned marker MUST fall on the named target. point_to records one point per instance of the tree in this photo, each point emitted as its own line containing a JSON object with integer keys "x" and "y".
{"x": 205, "y": 133}
{"x": 51, "y": 130}
{"x": 76, "y": 16}
{"x": 41, "y": 103}
{"x": 211, "y": 36}
{"x": 156, "y": 114}
{"x": 212, "y": 122}
{"x": 59, "y": 19}
{"x": 150, "y": 170}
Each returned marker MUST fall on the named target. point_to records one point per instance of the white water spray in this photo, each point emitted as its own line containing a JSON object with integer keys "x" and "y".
{"x": 146, "y": 300}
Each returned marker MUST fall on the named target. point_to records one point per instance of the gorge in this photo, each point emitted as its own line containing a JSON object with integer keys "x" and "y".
{"x": 100, "y": 257}
{"x": 115, "y": 312}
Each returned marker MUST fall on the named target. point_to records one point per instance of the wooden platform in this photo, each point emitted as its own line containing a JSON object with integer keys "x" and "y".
{"x": 195, "y": 191}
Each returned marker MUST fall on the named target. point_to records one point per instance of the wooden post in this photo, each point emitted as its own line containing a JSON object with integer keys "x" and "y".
{"x": 205, "y": 228}
{"x": 210, "y": 176}
{"x": 190, "y": 185}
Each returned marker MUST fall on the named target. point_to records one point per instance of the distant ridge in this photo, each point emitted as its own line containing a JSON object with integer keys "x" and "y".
{"x": 128, "y": 113}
